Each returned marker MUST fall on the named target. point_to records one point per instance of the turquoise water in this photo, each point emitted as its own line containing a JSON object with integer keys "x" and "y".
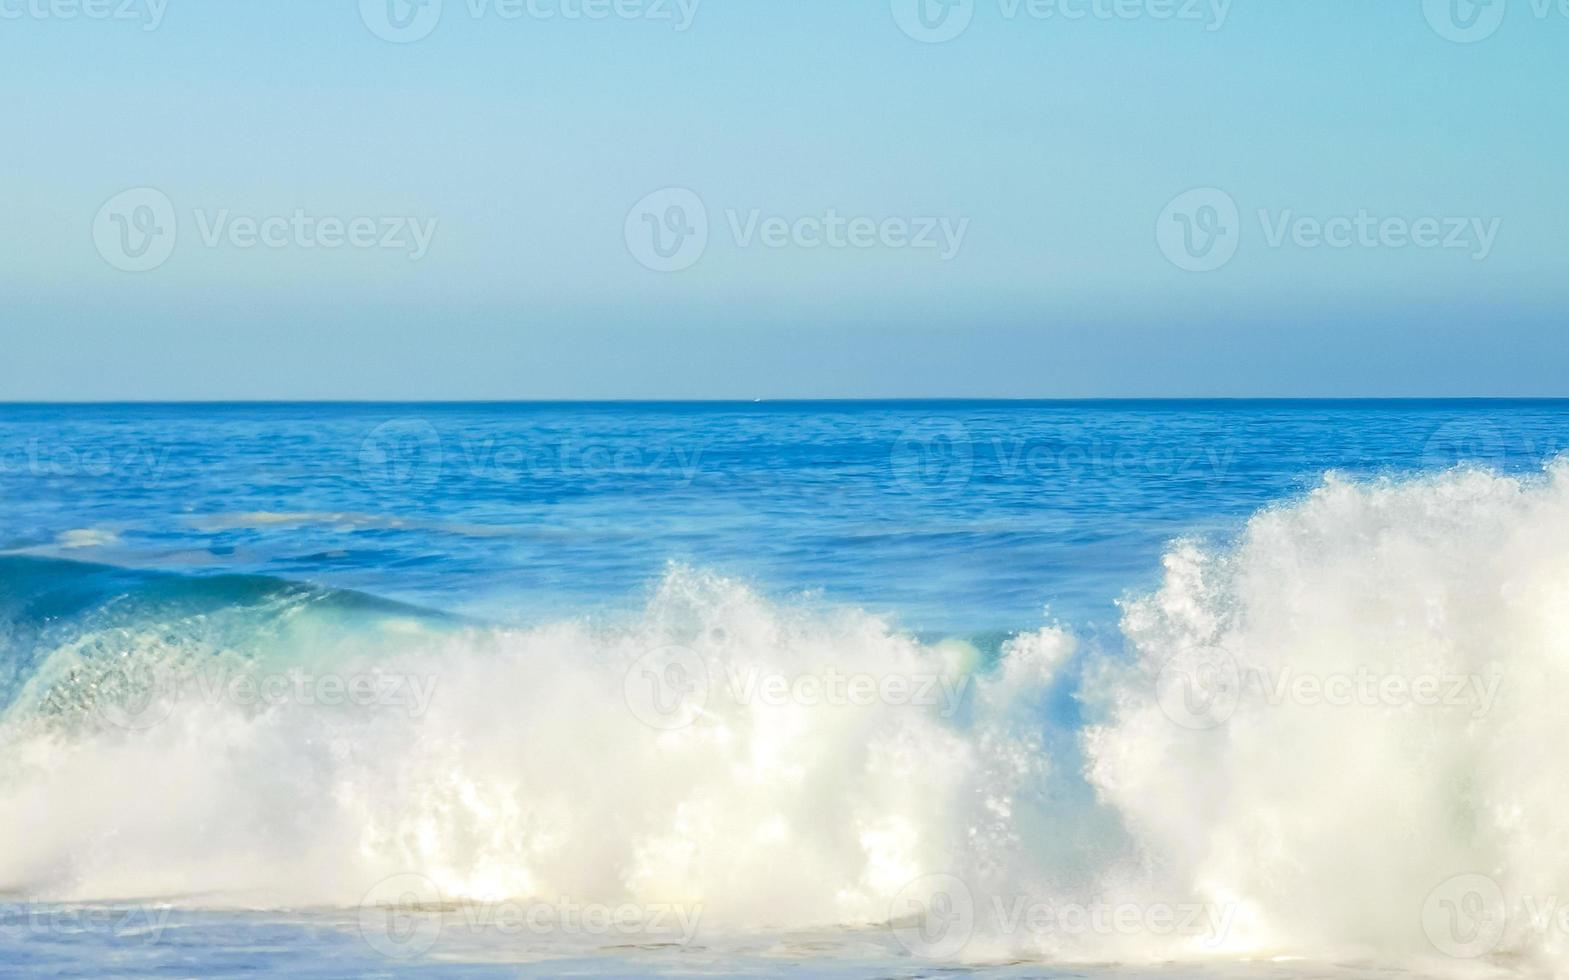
{"x": 187, "y": 593}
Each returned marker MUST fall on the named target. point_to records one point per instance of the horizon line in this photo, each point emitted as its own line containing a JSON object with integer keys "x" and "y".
{"x": 890, "y": 400}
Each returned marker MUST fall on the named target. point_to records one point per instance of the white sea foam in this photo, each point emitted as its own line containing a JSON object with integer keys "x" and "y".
{"x": 1335, "y": 826}
{"x": 87, "y": 537}
{"x": 533, "y": 772}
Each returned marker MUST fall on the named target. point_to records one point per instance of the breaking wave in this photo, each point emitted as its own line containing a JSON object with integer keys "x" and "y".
{"x": 1332, "y": 736}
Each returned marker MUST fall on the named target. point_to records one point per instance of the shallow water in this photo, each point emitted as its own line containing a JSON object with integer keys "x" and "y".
{"x": 131, "y": 941}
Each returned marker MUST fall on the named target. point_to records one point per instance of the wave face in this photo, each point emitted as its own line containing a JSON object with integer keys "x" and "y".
{"x": 1311, "y": 731}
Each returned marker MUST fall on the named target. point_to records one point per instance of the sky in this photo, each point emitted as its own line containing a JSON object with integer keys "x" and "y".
{"x": 560, "y": 199}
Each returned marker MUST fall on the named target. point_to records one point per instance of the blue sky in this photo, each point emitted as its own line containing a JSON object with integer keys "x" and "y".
{"x": 1050, "y": 139}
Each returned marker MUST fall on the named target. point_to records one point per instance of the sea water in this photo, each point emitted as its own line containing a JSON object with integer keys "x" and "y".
{"x": 902, "y": 689}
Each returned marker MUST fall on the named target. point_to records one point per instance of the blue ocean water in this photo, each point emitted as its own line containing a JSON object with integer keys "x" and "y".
{"x": 949, "y": 516}
{"x": 520, "y": 556}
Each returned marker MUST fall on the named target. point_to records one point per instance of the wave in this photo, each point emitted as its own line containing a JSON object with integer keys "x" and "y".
{"x": 1373, "y": 767}
{"x": 1329, "y": 737}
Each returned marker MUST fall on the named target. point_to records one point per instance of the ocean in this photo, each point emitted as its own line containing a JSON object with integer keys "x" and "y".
{"x": 1110, "y": 688}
